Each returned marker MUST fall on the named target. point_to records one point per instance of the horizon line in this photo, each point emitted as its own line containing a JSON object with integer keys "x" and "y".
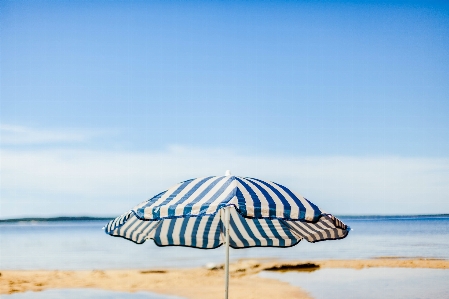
{"x": 98, "y": 218}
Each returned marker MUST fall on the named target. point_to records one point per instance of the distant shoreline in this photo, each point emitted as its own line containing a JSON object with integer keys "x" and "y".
{"x": 55, "y": 219}
{"x": 89, "y": 218}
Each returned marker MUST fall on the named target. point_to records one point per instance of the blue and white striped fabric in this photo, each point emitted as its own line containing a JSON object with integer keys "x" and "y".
{"x": 191, "y": 214}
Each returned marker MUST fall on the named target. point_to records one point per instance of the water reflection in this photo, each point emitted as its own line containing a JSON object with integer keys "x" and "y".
{"x": 372, "y": 283}
{"x": 307, "y": 267}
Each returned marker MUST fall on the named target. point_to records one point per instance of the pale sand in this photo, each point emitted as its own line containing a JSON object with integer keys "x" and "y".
{"x": 198, "y": 283}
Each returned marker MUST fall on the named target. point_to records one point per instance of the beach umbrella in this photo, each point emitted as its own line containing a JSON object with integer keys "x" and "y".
{"x": 236, "y": 211}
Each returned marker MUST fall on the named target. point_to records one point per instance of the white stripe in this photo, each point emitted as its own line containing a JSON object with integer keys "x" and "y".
{"x": 249, "y": 203}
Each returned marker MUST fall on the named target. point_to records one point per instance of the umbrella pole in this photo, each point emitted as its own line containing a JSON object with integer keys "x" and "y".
{"x": 227, "y": 220}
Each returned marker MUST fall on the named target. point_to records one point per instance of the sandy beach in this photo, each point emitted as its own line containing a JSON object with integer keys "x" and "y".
{"x": 196, "y": 283}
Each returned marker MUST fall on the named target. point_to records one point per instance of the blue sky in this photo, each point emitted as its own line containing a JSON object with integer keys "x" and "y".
{"x": 104, "y": 104}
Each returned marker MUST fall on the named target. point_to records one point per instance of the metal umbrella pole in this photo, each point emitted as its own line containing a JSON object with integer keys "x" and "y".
{"x": 227, "y": 220}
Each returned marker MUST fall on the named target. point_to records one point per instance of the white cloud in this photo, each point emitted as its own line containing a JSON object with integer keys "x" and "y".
{"x": 16, "y": 135}
{"x": 97, "y": 182}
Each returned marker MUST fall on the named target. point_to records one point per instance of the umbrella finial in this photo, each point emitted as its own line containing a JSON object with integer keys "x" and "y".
{"x": 228, "y": 173}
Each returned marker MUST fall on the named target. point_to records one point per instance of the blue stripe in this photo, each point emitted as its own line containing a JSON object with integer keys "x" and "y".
{"x": 249, "y": 231}
{"x": 254, "y": 198}
{"x": 170, "y": 231}
{"x": 262, "y": 232}
{"x": 275, "y": 233}
{"x": 206, "y": 231}
{"x": 269, "y": 200}
{"x": 316, "y": 211}
{"x": 233, "y": 227}
{"x": 182, "y": 233}
{"x": 302, "y": 208}
{"x": 218, "y": 232}
{"x": 195, "y": 230}
{"x": 241, "y": 202}
{"x": 188, "y": 208}
{"x": 286, "y": 204}
{"x": 157, "y": 234}
{"x": 172, "y": 208}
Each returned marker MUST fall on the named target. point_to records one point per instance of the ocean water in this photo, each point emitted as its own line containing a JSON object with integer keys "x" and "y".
{"x": 84, "y": 245}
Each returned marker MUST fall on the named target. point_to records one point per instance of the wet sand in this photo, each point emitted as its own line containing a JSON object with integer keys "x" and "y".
{"x": 198, "y": 283}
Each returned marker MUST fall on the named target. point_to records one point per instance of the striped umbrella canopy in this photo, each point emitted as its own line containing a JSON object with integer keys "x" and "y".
{"x": 238, "y": 212}
{"x": 191, "y": 214}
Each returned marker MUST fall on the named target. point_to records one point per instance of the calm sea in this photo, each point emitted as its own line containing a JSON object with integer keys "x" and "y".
{"x": 84, "y": 245}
